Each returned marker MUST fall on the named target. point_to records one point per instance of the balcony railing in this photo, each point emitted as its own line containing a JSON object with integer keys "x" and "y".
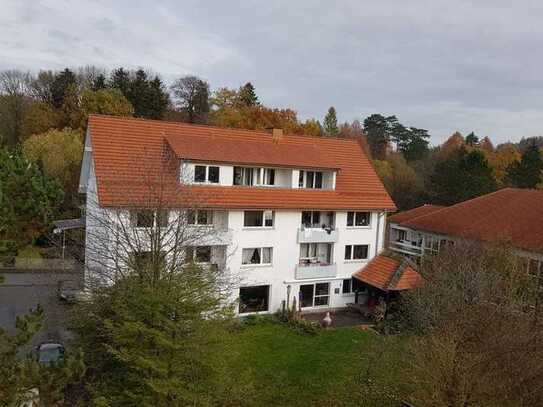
{"x": 317, "y": 235}
{"x": 315, "y": 270}
{"x": 221, "y": 237}
{"x": 406, "y": 247}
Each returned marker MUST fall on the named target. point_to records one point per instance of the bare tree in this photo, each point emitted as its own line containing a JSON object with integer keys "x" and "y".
{"x": 14, "y": 101}
{"x": 164, "y": 226}
{"x": 192, "y": 97}
{"x": 477, "y": 340}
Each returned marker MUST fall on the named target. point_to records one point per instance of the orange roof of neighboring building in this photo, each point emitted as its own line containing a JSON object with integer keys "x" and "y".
{"x": 510, "y": 214}
{"x": 127, "y": 151}
{"x": 389, "y": 274}
{"x": 414, "y": 213}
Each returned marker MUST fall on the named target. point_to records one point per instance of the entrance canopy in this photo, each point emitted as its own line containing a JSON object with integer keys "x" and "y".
{"x": 389, "y": 274}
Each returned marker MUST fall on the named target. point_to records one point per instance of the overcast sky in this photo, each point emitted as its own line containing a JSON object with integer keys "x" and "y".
{"x": 439, "y": 65}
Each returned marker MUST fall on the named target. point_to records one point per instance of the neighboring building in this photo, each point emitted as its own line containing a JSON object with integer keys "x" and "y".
{"x": 509, "y": 215}
{"x": 293, "y": 214}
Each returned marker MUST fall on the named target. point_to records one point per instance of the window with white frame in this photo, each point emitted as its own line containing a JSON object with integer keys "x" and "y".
{"x": 249, "y": 176}
{"x": 310, "y": 179}
{"x": 198, "y": 254}
{"x": 257, "y": 255}
{"x": 315, "y": 254}
{"x": 200, "y": 218}
{"x": 148, "y": 218}
{"x": 358, "y": 219}
{"x": 258, "y": 219}
{"x": 356, "y": 251}
{"x": 206, "y": 174}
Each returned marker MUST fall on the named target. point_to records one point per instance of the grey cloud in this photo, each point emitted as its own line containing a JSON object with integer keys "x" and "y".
{"x": 441, "y": 65}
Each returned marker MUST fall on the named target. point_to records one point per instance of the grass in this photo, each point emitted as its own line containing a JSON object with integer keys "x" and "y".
{"x": 275, "y": 365}
{"x": 29, "y": 252}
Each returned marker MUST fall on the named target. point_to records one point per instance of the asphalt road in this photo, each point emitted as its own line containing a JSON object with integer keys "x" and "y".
{"x": 23, "y": 291}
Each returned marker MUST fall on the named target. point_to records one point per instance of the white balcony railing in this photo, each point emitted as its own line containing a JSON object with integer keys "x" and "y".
{"x": 216, "y": 238}
{"x": 317, "y": 270}
{"x": 317, "y": 235}
{"x": 406, "y": 247}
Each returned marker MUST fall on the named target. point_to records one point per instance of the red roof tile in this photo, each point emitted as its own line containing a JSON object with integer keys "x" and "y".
{"x": 389, "y": 274}
{"x": 127, "y": 151}
{"x": 414, "y": 213}
{"x": 510, "y": 214}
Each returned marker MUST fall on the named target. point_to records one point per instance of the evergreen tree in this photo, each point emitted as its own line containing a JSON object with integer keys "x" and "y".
{"x": 378, "y": 130}
{"x": 99, "y": 82}
{"x": 64, "y": 81}
{"x": 120, "y": 79}
{"x": 416, "y": 146}
{"x": 472, "y": 140}
{"x": 528, "y": 172}
{"x": 330, "y": 122}
{"x": 247, "y": 95}
{"x": 460, "y": 177}
{"x": 159, "y": 100}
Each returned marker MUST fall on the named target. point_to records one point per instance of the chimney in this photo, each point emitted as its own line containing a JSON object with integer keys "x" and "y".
{"x": 277, "y": 135}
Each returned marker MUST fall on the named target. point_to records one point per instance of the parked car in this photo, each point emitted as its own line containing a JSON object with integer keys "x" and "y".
{"x": 49, "y": 353}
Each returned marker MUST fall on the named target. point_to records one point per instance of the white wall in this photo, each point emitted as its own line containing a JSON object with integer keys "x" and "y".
{"x": 283, "y": 238}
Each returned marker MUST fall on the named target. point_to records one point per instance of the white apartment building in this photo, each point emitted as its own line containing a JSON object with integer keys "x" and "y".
{"x": 293, "y": 216}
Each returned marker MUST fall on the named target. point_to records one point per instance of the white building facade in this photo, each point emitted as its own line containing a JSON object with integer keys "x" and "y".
{"x": 296, "y": 238}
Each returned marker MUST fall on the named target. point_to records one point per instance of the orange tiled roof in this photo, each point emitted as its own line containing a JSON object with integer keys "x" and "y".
{"x": 127, "y": 151}
{"x": 510, "y": 214}
{"x": 414, "y": 213}
{"x": 389, "y": 274}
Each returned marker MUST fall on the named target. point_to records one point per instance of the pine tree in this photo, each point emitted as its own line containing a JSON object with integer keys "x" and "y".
{"x": 472, "y": 140}
{"x": 379, "y": 130}
{"x": 330, "y": 122}
{"x": 99, "y": 82}
{"x": 247, "y": 95}
{"x": 527, "y": 173}
{"x": 62, "y": 83}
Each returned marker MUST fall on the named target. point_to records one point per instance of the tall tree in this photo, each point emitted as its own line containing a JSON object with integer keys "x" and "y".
{"x": 378, "y": 130}
{"x": 192, "y": 97}
{"x": 63, "y": 83}
{"x": 330, "y": 122}
{"x": 472, "y": 140}
{"x": 464, "y": 175}
{"x": 99, "y": 82}
{"x": 14, "y": 102}
{"x": 120, "y": 79}
{"x": 247, "y": 95}
{"x": 528, "y": 172}
{"x": 28, "y": 199}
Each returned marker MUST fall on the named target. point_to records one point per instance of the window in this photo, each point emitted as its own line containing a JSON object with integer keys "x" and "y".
{"x": 243, "y": 176}
{"x": 257, "y": 255}
{"x": 198, "y": 254}
{"x": 254, "y": 299}
{"x": 357, "y": 219}
{"x": 258, "y": 219}
{"x": 314, "y": 295}
{"x": 142, "y": 260}
{"x": 199, "y": 173}
{"x": 311, "y": 219}
{"x": 147, "y": 218}
{"x": 203, "y": 173}
{"x": 402, "y": 235}
{"x": 315, "y": 254}
{"x": 213, "y": 175}
{"x": 356, "y": 252}
{"x": 352, "y": 285}
{"x": 268, "y": 177}
{"x": 310, "y": 179}
{"x": 200, "y": 217}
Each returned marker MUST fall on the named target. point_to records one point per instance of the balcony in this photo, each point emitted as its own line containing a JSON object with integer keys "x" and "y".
{"x": 406, "y": 247}
{"x": 220, "y": 237}
{"x": 317, "y": 235}
{"x": 315, "y": 270}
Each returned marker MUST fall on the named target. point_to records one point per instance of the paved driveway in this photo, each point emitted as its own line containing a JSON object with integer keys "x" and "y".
{"x": 22, "y": 291}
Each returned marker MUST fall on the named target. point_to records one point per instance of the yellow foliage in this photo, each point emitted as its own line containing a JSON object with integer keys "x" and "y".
{"x": 58, "y": 152}
{"x": 503, "y": 158}
{"x": 39, "y": 118}
{"x": 104, "y": 101}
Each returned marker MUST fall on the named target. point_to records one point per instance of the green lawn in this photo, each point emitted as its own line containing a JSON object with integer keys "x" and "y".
{"x": 275, "y": 365}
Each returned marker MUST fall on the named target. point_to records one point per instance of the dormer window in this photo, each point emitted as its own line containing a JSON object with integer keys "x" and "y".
{"x": 310, "y": 179}
{"x": 206, "y": 173}
{"x": 254, "y": 176}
